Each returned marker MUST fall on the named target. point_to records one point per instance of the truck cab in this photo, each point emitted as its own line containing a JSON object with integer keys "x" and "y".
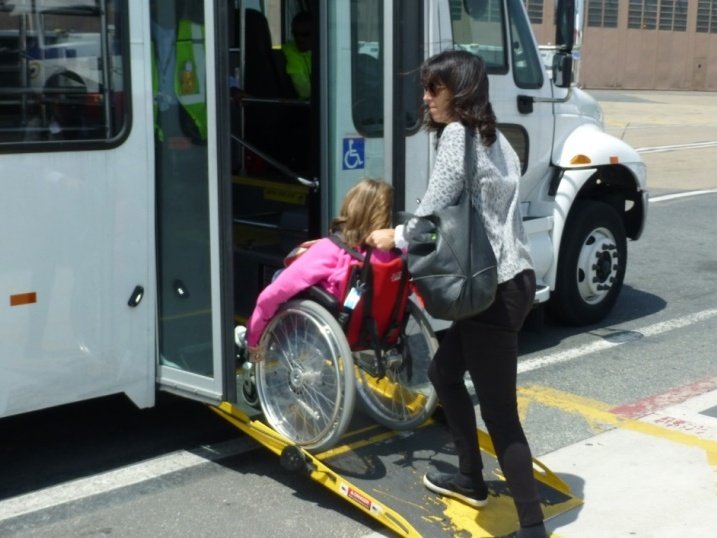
{"x": 583, "y": 192}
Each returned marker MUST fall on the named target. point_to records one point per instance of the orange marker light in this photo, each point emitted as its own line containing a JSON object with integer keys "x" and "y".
{"x": 580, "y": 159}
{"x": 614, "y": 159}
{"x": 23, "y": 298}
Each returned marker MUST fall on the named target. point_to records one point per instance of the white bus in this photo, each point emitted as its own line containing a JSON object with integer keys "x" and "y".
{"x": 150, "y": 188}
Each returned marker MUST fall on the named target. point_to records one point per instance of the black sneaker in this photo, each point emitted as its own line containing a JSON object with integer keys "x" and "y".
{"x": 448, "y": 485}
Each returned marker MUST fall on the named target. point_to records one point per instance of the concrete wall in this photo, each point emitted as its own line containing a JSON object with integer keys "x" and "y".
{"x": 642, "y": 59}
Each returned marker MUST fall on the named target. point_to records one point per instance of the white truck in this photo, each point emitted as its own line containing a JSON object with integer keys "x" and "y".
{"x": 583, "y": 191}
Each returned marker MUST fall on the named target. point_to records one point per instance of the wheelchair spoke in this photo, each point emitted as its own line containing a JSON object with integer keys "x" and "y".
{"x": 305, "y": 385}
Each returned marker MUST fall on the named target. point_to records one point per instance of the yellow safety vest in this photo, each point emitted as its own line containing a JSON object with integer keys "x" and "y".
{"x": 190, "y": 75}
{"x": 298, "y": 67}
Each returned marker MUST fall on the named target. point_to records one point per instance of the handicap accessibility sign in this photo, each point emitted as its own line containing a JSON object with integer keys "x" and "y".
{"x": 353, "y": 153}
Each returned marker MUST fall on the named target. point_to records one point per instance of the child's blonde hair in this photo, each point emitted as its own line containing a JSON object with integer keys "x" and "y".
{"x": 366, "y": 207}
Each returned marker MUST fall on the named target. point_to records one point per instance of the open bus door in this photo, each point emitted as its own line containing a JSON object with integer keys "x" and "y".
{"x": 189, "y": 161}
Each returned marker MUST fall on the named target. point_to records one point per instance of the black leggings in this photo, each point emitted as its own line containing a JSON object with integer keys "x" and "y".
{"x": 487, "y": 347}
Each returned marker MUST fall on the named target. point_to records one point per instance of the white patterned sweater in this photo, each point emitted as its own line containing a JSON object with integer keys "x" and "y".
{"x": 495, "y": 194}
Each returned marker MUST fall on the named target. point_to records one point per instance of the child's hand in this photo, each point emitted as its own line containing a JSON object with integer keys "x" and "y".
{"x": 256, "y": 353}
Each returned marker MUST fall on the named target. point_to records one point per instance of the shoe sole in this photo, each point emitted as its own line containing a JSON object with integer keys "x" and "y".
{"x": 475, "y": 503}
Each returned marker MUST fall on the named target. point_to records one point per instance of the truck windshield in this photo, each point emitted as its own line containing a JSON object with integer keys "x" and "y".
{"x": 478, "y": 28}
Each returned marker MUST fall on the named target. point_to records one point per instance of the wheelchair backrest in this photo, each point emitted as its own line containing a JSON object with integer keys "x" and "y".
{"x": 377, "y": 317}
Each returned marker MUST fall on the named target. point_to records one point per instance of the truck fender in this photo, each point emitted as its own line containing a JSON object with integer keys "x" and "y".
{"x": 570, "y": 184}
{"x": 589, "y": 147}
{"x": 584, "y": 150}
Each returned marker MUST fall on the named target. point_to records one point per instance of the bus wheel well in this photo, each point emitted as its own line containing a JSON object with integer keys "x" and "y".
{"x": 616, "y": 186}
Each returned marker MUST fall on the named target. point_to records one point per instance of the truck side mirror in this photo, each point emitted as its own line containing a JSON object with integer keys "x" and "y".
{"x": 569, "y": 16}
{"x": 563, "y": 69}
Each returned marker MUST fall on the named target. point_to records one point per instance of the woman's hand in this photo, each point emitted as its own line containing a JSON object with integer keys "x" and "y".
{"x": 382, "y": 239}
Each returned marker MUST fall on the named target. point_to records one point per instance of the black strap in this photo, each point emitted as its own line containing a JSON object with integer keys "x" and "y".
{"x": 339, "y": 241}
{"x": 469, "y": 160}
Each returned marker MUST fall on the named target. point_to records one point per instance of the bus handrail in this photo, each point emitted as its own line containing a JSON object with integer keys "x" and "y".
{"x": 245, "y": 99}
{"x": 311, "y": 183}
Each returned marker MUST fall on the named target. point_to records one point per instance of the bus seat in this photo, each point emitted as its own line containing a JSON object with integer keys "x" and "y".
{"x": 265, "y": 74}
{"x": 265, "y": 78}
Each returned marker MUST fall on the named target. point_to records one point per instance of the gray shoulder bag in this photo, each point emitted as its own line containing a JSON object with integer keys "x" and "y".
{"x": 450, "y": 257}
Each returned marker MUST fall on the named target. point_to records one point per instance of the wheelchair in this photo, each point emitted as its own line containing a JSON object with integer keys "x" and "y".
{"x": 319, "y": 353}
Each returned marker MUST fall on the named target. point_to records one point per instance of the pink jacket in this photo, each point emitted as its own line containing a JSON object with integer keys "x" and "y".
{"x": 325, "y": 264}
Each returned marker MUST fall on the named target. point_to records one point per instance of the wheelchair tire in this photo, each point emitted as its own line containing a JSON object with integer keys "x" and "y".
{"x": 305, "y": 382}
{"x": 404, "y": 398}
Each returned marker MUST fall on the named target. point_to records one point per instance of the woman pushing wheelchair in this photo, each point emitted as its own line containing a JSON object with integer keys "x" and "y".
{"x": 486, "y": 345}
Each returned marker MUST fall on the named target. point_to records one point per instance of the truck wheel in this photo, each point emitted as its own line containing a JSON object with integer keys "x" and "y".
{"x": 591, "y": 266}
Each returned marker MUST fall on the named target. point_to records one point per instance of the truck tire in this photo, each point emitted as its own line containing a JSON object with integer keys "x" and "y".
{"x": 591, "y": 264}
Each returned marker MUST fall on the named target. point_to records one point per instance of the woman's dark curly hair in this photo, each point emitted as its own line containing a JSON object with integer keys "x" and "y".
{"x": 464, "y": 75}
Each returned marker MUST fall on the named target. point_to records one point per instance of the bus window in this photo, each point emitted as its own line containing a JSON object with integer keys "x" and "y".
{"x": 367, "y": 66}
{"x": 478, "y": 28}
{"x": 61, "y": 73}
{"x": 182, "y": 193}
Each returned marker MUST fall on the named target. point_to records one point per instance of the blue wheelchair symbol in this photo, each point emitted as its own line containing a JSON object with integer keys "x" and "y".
{"x": 353, "y": 153}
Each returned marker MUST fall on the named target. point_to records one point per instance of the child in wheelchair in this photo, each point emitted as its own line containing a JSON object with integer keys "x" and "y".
{"x": 337, "y": 322}
{"x": 326, "y": 262}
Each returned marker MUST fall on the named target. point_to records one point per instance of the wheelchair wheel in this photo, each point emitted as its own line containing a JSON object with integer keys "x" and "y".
{"x": 305, "y": 382}
{"x": 404, "y": 398}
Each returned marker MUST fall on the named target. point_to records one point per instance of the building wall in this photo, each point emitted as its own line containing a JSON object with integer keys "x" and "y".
{"x": 649, "y": 57}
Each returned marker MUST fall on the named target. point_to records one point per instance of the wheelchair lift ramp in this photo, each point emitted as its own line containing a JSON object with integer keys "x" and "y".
{"x": 380, "y": 472}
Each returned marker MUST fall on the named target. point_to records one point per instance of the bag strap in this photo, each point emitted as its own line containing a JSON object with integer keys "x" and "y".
{"x": 469, "y": 158}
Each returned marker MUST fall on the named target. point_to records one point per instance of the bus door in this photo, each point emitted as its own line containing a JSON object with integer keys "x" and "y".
{"x": 295, "y": 154}
{"x": 191, "y": 337}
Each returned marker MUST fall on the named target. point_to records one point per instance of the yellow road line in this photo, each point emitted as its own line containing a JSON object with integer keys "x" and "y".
{"x": 595, "y": 411}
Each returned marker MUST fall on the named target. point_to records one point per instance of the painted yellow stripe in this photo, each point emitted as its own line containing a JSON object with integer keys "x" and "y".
{"x": 186, "y": 315}
{"x": 596, "y": 411}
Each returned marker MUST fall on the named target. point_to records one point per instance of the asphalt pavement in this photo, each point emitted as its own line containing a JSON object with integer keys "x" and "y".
{"x": 653, "y": 473}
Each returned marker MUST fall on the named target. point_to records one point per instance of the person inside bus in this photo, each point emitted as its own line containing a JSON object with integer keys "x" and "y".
{"x": 298, "y": 53}
{"x": 367, "y": 206}
{"x": 178, "y": 75}
{"x": 456, "y": 97}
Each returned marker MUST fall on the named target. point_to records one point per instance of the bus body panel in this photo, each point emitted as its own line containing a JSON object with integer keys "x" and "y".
{"x": 82, "y": 240}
